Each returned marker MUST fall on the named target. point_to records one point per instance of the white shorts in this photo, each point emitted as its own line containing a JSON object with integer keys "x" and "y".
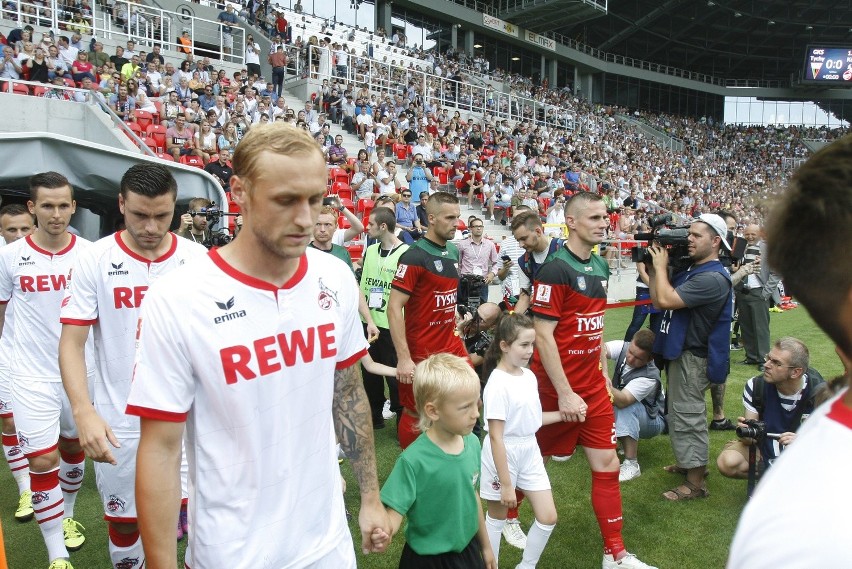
{"x": 42, "y": 415}
{"x": 5, "y": 392}
{"x": 117, "y": 484}
{"x": 227, "y": 40}
{"x": 526, "y": 467}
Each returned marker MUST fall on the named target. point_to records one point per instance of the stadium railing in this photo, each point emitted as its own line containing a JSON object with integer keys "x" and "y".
{"x": 384, "y": 77}
{"x": 146, "y": 25}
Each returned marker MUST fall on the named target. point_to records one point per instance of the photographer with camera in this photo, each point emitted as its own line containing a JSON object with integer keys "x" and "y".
{"x": 694, "y": 340}
{"x": 194, "y": 223}
{"x": 776, "y": 404}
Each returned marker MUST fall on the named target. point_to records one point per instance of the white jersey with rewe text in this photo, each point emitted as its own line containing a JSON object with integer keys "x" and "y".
{"x": 34, "y": 280}
{"x": 109, "y": 283}
{"x": 250, "y": 367}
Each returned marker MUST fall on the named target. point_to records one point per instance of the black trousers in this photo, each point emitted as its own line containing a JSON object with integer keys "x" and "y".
{"x": 469, "y": 558}
{"x": 383, "y": 352}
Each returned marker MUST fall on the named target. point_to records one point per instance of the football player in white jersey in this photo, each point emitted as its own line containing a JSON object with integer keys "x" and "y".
{"x": 15, "y": 222}
{"x": 110, "y": 281}
{"x": 253, "y": 348}
{"x": 34, "y": 273}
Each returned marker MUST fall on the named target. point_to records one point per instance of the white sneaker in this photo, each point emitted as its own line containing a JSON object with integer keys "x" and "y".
{"x": 561, "y": 458}
{"x": 629, "y": 470}
{"x": 514, "y": 534}
{"x": 629, "y": 561}
{"x": 386, "y": 411}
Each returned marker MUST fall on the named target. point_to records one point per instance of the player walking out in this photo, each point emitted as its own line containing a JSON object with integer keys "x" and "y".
{"x": 34, "y": 273}
{"x": 110, "y": 281}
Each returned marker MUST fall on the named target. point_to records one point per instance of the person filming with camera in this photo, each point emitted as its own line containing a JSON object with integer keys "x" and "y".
{"x": 193, "y": 224}
{"x": 694, "y": 340}
{"x": 776, "y": 404}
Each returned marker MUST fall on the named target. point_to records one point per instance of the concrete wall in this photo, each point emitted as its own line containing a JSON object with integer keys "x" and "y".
{"x": 78, "y": 120}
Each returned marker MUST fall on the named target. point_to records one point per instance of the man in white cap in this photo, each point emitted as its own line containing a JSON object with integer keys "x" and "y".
{"x": 694, "y": 339}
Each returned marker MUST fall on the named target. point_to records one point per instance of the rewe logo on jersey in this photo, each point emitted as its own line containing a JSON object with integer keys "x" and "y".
{"x": 117, "y": 270}
{"x": 25, "y": 261}
{"x": 43, "y": 283}
{"x": 268, "y": 355}
{"x": 227, "y": 305}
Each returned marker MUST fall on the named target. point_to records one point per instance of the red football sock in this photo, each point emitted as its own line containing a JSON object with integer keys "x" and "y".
{"x": 606, "y": 501}
{"x": 513, "y": 512}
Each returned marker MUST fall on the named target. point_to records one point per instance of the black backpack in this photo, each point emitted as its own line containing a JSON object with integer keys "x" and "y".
{"x": 816, "y": 385}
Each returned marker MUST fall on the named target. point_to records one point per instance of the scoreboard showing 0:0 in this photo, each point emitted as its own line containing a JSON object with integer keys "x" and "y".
{"x": 828, "y": 65}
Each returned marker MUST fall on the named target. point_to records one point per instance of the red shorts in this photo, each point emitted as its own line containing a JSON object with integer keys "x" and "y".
{"x": 597, "y": 431}
{"x": 406, "y": 429}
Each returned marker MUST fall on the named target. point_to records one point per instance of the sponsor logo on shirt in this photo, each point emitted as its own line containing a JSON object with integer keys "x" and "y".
{"x": 26, "y": 261}
{"x": 542, "y": 293}
{"x": 271, "y": 354}
{"x": 581, "y": 282}
{"x": 590, "y": 323}
{"x": 227, "y": 305}
{"x": 22, "y": 440}
{"x": 439, "y": 265}
{"x": 43, "y": 283}
{"x": 400, "y": 271}
{"x": 117, "y": 270}
{"x": 128, "y": 297}
{"x": 443, "y": 300}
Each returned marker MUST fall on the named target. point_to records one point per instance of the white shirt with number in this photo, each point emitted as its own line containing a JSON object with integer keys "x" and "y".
{"x": 34, "y": 281}
{"x": 250, "y": 367}
{"x": 109, "y": 283}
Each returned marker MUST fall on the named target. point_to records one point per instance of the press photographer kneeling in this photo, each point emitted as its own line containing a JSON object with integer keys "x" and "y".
{"x": 776, "y": 403}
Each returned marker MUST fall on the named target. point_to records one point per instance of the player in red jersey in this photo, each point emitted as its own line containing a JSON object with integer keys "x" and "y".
{"x": 425, "y": 284}
{"x": 568, "y": 301}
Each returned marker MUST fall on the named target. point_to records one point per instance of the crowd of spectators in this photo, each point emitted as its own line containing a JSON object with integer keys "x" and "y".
{"x": 729, "y": 167}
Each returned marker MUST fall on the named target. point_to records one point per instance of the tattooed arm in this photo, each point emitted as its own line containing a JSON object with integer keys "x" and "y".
{"x": 354, "y": 427}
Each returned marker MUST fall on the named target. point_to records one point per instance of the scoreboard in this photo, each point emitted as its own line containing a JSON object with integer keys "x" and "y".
{"x": 828, "y": 65}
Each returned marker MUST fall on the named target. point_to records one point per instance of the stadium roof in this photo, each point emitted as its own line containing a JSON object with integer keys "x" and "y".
{"x": 730, "y": 39}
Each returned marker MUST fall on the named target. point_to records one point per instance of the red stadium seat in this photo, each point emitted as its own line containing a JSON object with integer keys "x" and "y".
{"x": 166, "y": 157}
{"x": 343, "y": 190}
{"x": 356, "y": 251}
{"x": 157, "y": 132}
{"x": 192, "y": 161}
{"x": 143, "y": 118}
{"x": 442, "y": 174}
{"x": 137, "y": 130}
{"x": 338, "y": 175}
{"x": 363, "y": 205}
{"x": 343, "y": 223}
{"x": 19, "y": 89}
{"x": 152, "y": 144}
{"x": 69, "y": 82}
{"x": 39, "y": 91}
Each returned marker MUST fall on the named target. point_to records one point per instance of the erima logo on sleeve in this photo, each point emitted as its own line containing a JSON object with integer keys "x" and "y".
{"x": 26, "y": 261}
{"x": 228, "y": 305}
